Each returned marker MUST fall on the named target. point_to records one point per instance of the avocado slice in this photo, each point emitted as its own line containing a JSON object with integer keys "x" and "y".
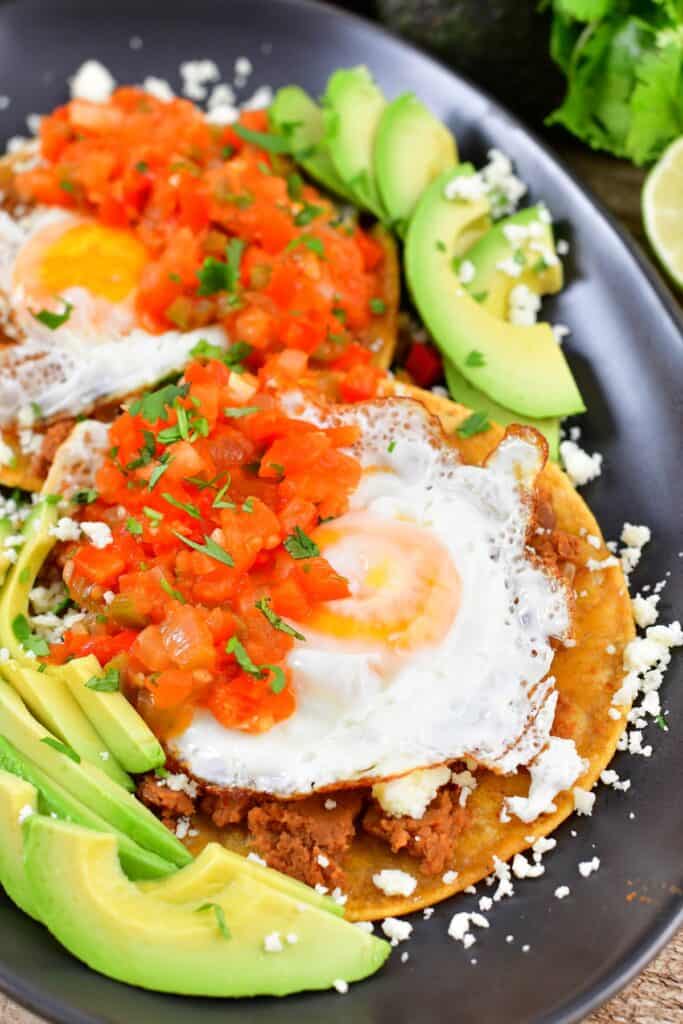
{"x": 86, "y": 781}
{"x": 491, "y": 287}
{"x": 294, "y": 115}
{"x": 212, "y": 947}
{"x": 48, "y": 698}
{"x": 126, "y": 734}
{"x": 53, "y": 799}
{"x": 6, "y": 530}
{"x": 352, "y": 108}
{"x": 17, "y": 799}
{"x": 411, "y": 148}
{"x": 521, "y": 368}
{"x": 215, "y": 867}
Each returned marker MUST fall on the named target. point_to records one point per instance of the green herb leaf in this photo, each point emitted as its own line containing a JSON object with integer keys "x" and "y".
{"x": 234, "y": 646}
{"x": 54, "y": 320}
{"x": 133, "y": 527}
{"x": 480, "y": 296}
{"x": 391, "y": 447}
{"x": 110, "y": 682}
{"x": 378, "y": 306}
{"x": 28, "y": 640}
{"x": 295, "y": 186}
{"x": 475, "y": 359}
{"x": 476, "y": 423}
{"x": 153, "y": 406}
{"x": 237, "y": 413}
{"x": 85, "y": 497}
{"x": 142, "y": 166}
{"x": 234, "y": 252}
{"x": 209, "y": 548}
{"x": 270, "y": 143}
{"x": 310, "y": 242}
{"x": 168, "y": 589}
{"x": 279, "y": 679}
{"x": 50, "y": 741}
{"x": 213, "y": 276}
{"x": 185, "y": 506}
{"x": 276, "y": 621}
{"x": 152, "y": 514}
{"x": 157, "y": 473}
{"x": 220, "y": 918}
{"x": 309, "y": 213}
{"x": 299, "y": 545}
{"x": 661, "y": 722}
{"x": 232, "y": 357}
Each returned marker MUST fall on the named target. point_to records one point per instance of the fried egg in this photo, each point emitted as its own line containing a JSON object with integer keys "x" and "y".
{"x": 52, "y": 257}
{"x": 443, "y": 649}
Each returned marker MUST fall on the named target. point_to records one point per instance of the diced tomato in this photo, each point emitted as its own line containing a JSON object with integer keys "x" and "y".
{"x": 99, "y": 565}
{"x": 319, "y": 581}
{"x": 424, "y": 364}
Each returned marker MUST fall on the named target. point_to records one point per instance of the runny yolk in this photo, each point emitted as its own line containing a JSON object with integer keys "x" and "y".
{"x": 106, "y": 262}
{"x": 405, "y": 589}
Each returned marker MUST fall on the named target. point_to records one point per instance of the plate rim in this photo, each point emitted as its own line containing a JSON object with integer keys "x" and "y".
{"x": 636, "y": 959}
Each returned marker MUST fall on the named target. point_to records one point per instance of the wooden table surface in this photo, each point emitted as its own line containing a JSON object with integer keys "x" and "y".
{"x": 656, "y": 996}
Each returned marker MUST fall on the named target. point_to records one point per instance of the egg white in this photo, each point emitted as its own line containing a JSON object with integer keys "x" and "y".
{"x": 98, "y": 355}
{"x": 483, "y": 691}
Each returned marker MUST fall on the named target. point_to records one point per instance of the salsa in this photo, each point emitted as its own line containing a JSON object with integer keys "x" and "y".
{"x": 207, "y": 504}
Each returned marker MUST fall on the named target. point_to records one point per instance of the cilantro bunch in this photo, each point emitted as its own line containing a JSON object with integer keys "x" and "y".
{"x": 623, "y": 60}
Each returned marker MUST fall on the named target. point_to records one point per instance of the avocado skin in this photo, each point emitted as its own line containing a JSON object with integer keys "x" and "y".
{"x": 87, "y": 782}
{"x": 106, "y": 921}
{"x": 53, "y": 799}
{"x": 503, "y": 45}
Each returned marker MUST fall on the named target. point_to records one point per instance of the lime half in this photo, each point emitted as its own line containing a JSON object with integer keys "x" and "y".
{"x": 662, "y": 205}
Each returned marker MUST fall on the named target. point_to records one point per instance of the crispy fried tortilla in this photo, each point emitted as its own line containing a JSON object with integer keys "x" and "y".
{"x": 587, "y": 677}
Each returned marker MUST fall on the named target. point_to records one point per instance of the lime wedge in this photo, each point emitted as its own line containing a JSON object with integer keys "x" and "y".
{"x": 662, "y": 206}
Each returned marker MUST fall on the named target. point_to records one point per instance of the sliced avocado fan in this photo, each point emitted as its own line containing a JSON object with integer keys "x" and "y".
{"x": 521, "y": 368}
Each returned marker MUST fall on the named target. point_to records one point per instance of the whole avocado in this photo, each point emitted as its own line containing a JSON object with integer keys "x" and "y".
{"x": 503, "y": 45}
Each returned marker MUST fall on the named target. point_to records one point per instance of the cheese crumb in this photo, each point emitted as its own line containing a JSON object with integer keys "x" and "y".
{"x": 65, "y": 529}
{"x": 273, "y": 943}
{"x": 394, "y": 882}
{"x": 98, "y": 534}
{"x": 645, "y": 610}
{"x": 92, "y": 82}
{"x": 449, "y": 877}
{"x": 322, "y": 860}
{"x": 341, "y": 986}
{"x": 523, "y": 306}
{"x": 396, "y": 930}
{"x": 330, "y": 805}
{"x": 587, "y": 867}
{"x": 256, "y": 859}
{"x": 562, "y": 891}
{"x": 635, "y": 536}
{"x": 25, "y": 812}
{"x": 579, "y": 466}
{"x": 411, "y": 794}
{"x": 583, "y": 801}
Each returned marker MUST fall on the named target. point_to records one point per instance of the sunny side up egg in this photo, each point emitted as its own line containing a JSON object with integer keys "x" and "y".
{"x": 49, "y": 258}
{"x": 443, "y": 649}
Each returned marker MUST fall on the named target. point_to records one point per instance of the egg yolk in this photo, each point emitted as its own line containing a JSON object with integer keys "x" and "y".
{"x": 405, "y": 589}
{"x": 105, "y": 261}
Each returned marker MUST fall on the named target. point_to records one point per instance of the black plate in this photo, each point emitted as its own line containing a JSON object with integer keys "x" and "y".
{"x": 626, "y": 350}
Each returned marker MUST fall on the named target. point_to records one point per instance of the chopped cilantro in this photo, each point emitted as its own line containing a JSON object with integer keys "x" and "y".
{"x": 152, "y": 514}
{"x": 133, "y": 527}
{"x": 311, "y": 242}
{"x": 540, "y": 265}
{"x": 271, "y": 143}
{"x": 299, "y": 545}
{"x": 185, "y": 506}
{"x": 153, "y": 405}
{"x": 37, "y": 411}
{"x": 475, "y": 359}
{"x": 661, "y": 722}
{"x": 218, "y": 501}
{"x": 234, "y": 251}
{"x": 232, "y": 356}
{"x": 213, "y": 276}
{"x": 67, "y": 186}
{"x": 69, "y": 752}
{"x": 263, "y": 605}
{"x": 28, "y": 640}
{"x": 167, "y": 588}
{"x": 295, "y": 186}
{"x": 158, "y": 471}
{"x": 476, "y": 423}
{"x": 142, "y": 166}
{"x": 85, "y": 497}
{"x": 62, "y": 606}
{"x": 227, "y": 151}
{"x": 54, "y": 320}
{"x": 304, "y": 217}
{"x": 480, "y": 296}
{"x": 378, "y": 306}
{"x": 391, "y": 446}
{"x": 209, "y": 548}
{"x": 441, "y": 246}
{"x": 279, "y": 680}
{"x": 235, "y": 646}
{"x": 519, "y": 257}
{"x": 238, "y": 413}
{"x": 108, "y": 683}
{"x": 219, "y": 914}
{"x": 248, "y": 504}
